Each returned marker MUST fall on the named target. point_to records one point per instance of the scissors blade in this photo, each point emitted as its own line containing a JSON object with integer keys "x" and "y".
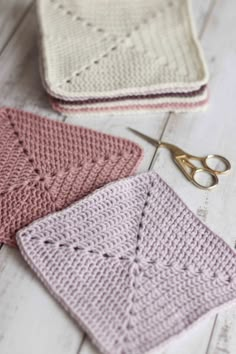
{"x": 145, "y": 137}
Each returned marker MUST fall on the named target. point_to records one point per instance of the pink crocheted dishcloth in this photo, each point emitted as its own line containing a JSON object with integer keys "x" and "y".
{"x": 131, "y": 263}
{"x": 47, "y": 165}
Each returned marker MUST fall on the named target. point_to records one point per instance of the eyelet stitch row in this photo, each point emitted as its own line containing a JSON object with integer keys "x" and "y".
{"x": 114, "y": 47}
{"x": 51, "y": 165}
{"x": 140, "y": 293}
{"x": 75, "y": 17}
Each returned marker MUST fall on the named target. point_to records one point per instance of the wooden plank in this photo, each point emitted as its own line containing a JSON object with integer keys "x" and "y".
{"x": 23, "y": 305}
{"x": 11, "y": 14}
{"x": 27, "y": 312}
{"x": 150, "y": 123}
{"x": 213, "y": 131}
{"x": 223, "y": 58}
{"x": 26, "y": 309}
{"x": 202, "y": 12}
{"x": 31, "y": 321}
{"x": 22, "y": 308}
{"x": 20, "y": 82}
{"x": 223, "y": 340}
{"x": 186, "y": 344}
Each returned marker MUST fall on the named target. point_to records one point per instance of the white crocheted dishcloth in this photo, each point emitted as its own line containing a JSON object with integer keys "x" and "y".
{"x": 97, "y": 48}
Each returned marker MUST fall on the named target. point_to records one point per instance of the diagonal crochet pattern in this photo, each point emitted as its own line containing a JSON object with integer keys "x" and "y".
{"x": 104, "y": 48}
{"x": 131, "y": 264}
{"x": 47, "y": 165}
{"x": 119, "y": 55}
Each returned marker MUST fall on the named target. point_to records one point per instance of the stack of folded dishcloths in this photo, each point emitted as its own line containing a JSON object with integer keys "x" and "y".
{"x": 121, "y": 55}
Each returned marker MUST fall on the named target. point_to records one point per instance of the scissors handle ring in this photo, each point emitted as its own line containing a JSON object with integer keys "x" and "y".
{"x": 210, "y": 172}
{"x": 220, "y": 158}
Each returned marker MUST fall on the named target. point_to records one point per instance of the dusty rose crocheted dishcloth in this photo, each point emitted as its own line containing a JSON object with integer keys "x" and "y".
{"x": 47, "y": 165}
{"x": 131, "y": 263}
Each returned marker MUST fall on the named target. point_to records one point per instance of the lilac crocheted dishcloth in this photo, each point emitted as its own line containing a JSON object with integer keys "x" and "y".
{"x": 131, "y": 263}
{"x": 47, "y": 165}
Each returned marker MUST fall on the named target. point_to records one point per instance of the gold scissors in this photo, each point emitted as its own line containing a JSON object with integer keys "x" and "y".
{"x": 183, "y": 161}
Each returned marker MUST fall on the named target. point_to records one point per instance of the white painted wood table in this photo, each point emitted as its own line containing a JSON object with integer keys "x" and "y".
{"x": 31, "y": 322}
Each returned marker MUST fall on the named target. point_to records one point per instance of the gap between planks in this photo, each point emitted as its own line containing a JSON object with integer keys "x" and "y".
{"x": 167, "y": 119}
{"x": 11, "y": 35}
{"x": 162, "y": 133}
{"x": 10, "y": 52}
{"x": 14, "y": 30}
{"x": 172, "y": 114}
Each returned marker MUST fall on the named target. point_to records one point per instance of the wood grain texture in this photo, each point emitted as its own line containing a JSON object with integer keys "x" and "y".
{"x": 12, "y": 13}
{"x": 27, "y": 312}
{"x": 211, "y": 132}
{"x": 26, "y": 309}
{"x": 20, "y": 82}
{"x": 30, "y": 320}
{"x": 151, "y": 123}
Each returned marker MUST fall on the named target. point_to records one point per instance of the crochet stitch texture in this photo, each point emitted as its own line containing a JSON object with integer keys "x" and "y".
{"x": 100, "y": 49}
{"x": 135, "y": 105}
{"x": 47, "y": 165}
{"x": 131, "y": 264}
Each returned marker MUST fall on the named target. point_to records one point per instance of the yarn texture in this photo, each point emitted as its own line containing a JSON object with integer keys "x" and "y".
{"x": 100, "y": 49}
{"x": 131, "y": 263}
{"x": 183, "y": 104}
{"x": 46, "y": 165}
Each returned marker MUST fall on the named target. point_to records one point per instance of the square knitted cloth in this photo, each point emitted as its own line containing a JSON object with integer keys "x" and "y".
{"x": 103, "y": 49}
{"x": 131, "y": 264}
{"x": 46, "y": 165}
